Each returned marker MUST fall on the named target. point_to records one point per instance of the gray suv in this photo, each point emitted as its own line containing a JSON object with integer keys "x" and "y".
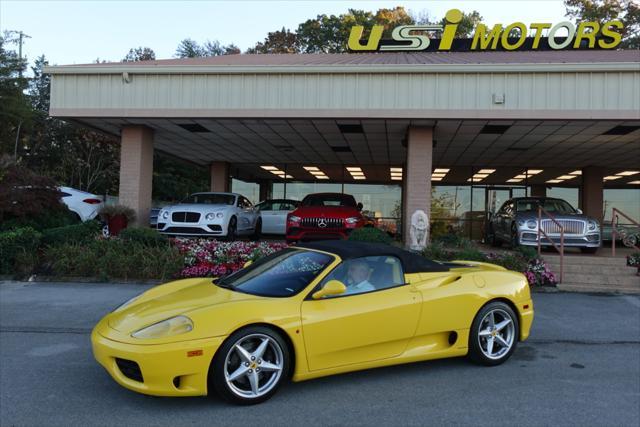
{"x": 517, "y": 223}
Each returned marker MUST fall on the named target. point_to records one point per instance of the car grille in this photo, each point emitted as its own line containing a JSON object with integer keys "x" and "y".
{"x": 130, "y": 369}
{"x": 571, "y": 226}
{"x": 322, "y": 222}
{"x": 185, "y": 217}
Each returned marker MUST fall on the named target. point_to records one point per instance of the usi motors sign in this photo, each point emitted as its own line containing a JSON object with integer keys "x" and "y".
{"x": 416, "y": 38}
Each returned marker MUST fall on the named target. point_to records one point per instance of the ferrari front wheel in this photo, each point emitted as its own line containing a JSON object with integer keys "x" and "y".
{"x": 250, "y": 366}
{"x": 494, "y": 334}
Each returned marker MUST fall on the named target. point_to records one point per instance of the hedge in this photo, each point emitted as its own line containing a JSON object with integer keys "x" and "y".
{"x": 19, "y": 251}
{"x": 79, "y": 233}
{"x": 370, "y": 234}
{"x": 143, "y": 236}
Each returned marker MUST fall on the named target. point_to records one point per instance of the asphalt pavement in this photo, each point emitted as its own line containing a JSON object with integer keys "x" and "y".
{"x": 581, "y": 366}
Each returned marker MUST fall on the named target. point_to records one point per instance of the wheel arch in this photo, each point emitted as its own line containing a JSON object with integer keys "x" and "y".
{"x": 285, "y": 336}
{"x": 511, "y": 305}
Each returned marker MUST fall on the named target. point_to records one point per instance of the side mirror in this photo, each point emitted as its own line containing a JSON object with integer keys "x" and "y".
{"x": 579, "y": 211}
{"x": 247, "y": 264}
{"x": 360, "y": 206}
{"x": 331, "y": 288}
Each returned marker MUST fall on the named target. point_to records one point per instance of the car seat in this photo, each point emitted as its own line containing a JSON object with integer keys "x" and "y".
{"x": 382, "y": 275}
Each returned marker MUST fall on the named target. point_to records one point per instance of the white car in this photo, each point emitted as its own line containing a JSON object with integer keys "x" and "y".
{"x": 274, "y": 214}
{"x": 211, "y": 214}
{"x": 83, "y": 204}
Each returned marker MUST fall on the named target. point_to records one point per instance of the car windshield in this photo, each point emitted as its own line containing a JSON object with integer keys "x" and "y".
{"x": 555, "y": 206}
{"x": 210, "y": 199}
{"x": 329, "y": 200}
{"x": 282, "y": 274}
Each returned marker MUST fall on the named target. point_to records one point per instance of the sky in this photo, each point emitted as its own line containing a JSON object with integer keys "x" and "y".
{"x": 78, "y": 32}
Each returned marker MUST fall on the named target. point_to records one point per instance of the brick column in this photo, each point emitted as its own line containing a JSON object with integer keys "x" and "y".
{"x": 538, "y": 190}
{"x": 417, "y": 177}
{"x": 219, "y": 176}
{"x": 136, "y": 171}
{"x": 591, "y": 192}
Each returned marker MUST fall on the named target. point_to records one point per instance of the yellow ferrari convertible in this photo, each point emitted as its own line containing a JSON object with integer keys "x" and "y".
{"x": 308, "y": 311}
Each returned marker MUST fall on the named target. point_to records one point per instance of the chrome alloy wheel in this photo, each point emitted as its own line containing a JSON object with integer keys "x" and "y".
{"x": 497, "y": 334}
{"x": 253, "y": 365}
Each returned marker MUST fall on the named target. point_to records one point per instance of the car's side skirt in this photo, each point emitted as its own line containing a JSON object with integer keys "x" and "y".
{"x": 428, "y": 347}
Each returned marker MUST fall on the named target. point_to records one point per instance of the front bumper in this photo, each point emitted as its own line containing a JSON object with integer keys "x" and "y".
{"x": 304, "y": 233}
{"x": 191, "y": 228}
{"x": 174, "y": 369}
{"x": 530, "y": 238}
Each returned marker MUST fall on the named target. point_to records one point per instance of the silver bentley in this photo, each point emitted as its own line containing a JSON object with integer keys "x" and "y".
{"x": 517, "y": 224}
{"x": 211, "y": 214}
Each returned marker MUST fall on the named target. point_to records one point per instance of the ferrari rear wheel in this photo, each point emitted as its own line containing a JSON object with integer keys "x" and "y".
{"x": 494, "y": 334}
{"x": 250, "y": 366}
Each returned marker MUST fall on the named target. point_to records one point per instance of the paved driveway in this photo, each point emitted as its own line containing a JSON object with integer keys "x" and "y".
{"x": 581, "y": 366}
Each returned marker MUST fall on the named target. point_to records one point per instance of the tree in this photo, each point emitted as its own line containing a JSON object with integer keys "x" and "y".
{"x": 15, "y": 111}
{"x": 214, "y": 48}
{"x": 189, "y": 48}
{"x": 283, "y": 41}
{"x": 627, "y": 11}
{"x": 140, "y": 54}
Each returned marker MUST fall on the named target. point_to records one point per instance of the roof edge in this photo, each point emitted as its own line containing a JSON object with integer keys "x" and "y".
{"x": 344, "y": 69}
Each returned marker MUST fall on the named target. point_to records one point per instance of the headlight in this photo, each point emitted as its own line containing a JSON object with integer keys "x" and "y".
{"x": 210, "y": 216}
{"x": 352, "y": 220}
{"x": 167, "y": 328}
{"x": 127, "y": 303}
{"x": 531, "y": 224}
{"x": 592, "y": 225}
{"x": 294, "y": 218}
{"x": 164, "y": 214}
{"x": 219, "y": 214}
{"x": 520, "y": 222}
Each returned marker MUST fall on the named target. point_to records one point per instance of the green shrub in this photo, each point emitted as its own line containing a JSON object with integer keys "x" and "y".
{"x": 437, "y": 252}
{"x": 109, "y": 259}
{"x": 144, "y": 236}
{"x": 39, "y": 222}
{"x": 527, "y": 252}
{"x": 19, "y": 251}
{"x": 470, "y": 254}
{"x": 370, "y": 234}
{"x": 515, "y": 262}
{"x": 78, "y": 233}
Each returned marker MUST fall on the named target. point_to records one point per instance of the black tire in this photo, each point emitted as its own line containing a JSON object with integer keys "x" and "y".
{"x": 514, "y": 237}
{"x": 224, "y": 359}
{"x": 589, "y": 250}
{"x": 478, "y": 353}
{"x": 232, "y": 229}
{"x": 257, "y": 231}
{"x": 493, "y": 239}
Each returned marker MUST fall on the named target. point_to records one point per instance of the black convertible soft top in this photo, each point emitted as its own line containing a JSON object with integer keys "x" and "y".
{"x": 346, "y": 249}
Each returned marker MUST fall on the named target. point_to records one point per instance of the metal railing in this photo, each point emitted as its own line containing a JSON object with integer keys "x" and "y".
{"x": 614, "y": 231}
{"x": 561, "y": 228}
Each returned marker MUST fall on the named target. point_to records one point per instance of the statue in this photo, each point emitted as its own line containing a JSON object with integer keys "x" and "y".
{"x": 419, "y": 230}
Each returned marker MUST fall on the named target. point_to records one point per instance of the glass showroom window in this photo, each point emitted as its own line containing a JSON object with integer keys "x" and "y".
{"x": 627, "y": 200}
{"x": 250, "y": 190}
{"x": 571, "y": 195}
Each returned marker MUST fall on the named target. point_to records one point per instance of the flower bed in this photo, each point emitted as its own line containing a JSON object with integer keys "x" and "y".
{"x": 212, "y": 258}
{"x": 539, "y": 274}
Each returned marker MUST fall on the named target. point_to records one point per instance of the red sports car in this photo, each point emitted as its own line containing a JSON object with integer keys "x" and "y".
{"x": 324, "y": 216}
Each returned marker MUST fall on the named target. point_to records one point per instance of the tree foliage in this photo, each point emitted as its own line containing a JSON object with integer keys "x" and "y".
{"x": 282, "y": 41}
{"x": 140, "y": 54}
{"x": 15, "y": 109}
{"x": 189, "y": 48}
{"x": 627, "y": 11}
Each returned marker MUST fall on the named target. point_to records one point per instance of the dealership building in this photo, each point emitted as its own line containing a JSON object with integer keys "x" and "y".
{"x": 396, "y": 130}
